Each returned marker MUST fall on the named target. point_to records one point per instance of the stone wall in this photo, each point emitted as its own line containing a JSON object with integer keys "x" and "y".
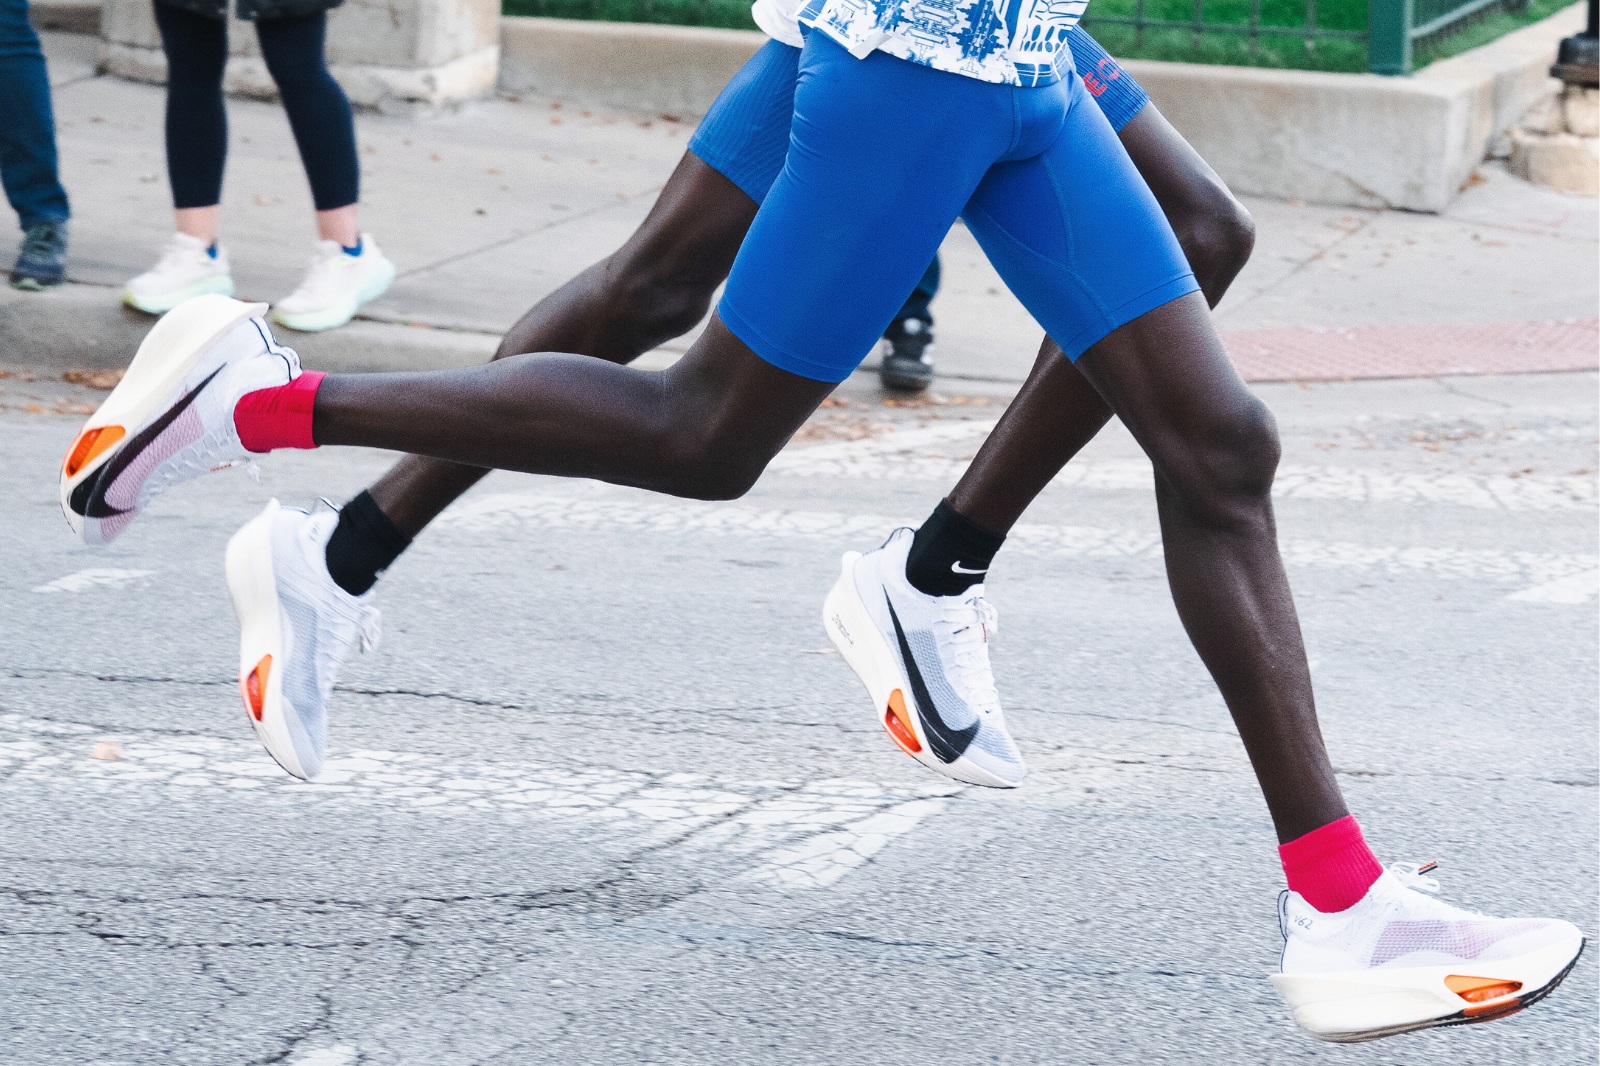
{"x": 398, "y": 56}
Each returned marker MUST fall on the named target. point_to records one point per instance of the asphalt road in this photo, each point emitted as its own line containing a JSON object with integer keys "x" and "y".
{"x": 604, "y": 795}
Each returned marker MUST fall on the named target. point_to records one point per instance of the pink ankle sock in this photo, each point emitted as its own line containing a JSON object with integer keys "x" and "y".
{"x": 279, "y": 417}
{"x": 1331, "y": 867}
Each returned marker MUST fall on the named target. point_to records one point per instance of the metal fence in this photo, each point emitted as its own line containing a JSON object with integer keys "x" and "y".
{"x": 1394, "y": 27}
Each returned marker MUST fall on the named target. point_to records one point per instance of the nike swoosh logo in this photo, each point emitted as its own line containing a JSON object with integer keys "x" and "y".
{"x": 89, "y": 498}
{"x": 957, "y": 568}
{"x": 946, "y": 743}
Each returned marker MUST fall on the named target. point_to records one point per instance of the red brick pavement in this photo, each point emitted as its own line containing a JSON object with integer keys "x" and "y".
{"x": 1300, "y": 353}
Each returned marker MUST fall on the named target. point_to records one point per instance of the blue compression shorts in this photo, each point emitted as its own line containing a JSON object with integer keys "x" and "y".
{"x": 884, "y": 155}
{"x": 745, "y": 135}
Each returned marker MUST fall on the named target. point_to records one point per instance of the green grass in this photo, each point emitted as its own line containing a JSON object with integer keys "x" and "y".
{"x": 1179, "y": 45}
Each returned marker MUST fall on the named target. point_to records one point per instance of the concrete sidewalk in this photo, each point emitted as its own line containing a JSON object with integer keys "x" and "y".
{"x": 491, "y": 208}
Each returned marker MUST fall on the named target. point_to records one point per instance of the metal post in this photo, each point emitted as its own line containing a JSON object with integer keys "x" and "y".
{"x": 1389, "y": 36}
{"x": 1578, "y": 60}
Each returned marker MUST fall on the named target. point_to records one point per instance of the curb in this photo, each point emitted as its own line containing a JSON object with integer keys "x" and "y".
{"x": 84, "y": 327}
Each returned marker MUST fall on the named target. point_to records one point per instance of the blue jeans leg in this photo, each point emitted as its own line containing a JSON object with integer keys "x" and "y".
{"x": 27, "y": 127}
{"x": 917, "y": 305}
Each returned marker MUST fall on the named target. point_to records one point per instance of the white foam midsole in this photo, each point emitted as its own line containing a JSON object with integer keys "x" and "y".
{"x": 1395, "y": 997}
{"x": 252, "y": 586}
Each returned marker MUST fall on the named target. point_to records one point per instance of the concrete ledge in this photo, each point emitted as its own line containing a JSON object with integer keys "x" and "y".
{"x": 676, "y": 70}
{"x": 410, "y": 91}
{"x": 1358, "y": 139}
{"x": 66, "y": 16}
{"x": 1345, "y": 139}
{"x": 84, "y": 327}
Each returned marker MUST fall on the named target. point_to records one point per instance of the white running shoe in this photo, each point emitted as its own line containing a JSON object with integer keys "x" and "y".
{"x": 335, "y": 287}
{"x": 1400, "y": 960}
{"x": 296, "y": 629}
{"x": 925, "y": 662}
{"x": 186, "y": 269}
{"x": 170, "y": 419}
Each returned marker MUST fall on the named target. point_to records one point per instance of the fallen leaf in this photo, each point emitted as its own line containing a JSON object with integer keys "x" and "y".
{"x": 107, "y": 751}
{"x": 73, "y": 408}
{"x": 104, "y": 380}
{"x": 32, "y": 409}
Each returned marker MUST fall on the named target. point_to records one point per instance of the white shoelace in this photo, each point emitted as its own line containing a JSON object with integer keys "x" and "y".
{"x": 968, "y": 624}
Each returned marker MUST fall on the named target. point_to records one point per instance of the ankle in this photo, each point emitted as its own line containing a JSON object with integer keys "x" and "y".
{"x": 950, "y": 553}
{"x": 279, "y": 417}
{"x": 1332, "y": 867}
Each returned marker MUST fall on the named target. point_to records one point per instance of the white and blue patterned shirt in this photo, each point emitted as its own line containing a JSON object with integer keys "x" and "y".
{"x": 1013, "y": 42}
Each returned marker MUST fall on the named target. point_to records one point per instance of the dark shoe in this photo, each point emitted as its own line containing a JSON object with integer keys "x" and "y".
{"x": 42, "y": 262}
{"x": 907, "y": 364}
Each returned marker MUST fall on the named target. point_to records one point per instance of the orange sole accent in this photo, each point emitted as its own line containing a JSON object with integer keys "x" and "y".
{"x": 253, "y": 686}
{"x": 898, "y": 724}
{"x": 1489, "y": 996}
{"x": 90, "y": 445}
{"x": 1481, "y": 989}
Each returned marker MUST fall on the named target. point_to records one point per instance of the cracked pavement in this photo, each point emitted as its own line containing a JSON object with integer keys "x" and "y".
{"x": 604, "y": 795}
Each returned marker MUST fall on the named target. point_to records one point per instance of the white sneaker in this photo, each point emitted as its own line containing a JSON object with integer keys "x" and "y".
{"x": 296, "y": 629}
{"x": 185, "y": 269}
{"x": 925, "y": 662}
{"x": 1400, "y": 960}
{"x": 335, "y": 287}
{"x": 170, "y": 419}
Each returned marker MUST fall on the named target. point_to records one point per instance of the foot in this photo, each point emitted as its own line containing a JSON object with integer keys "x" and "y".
{"x": 1400, "y": 960}
{"x": 188, "y": 267}
{"x": 925, "y": 661}
{"x": 296, "y": 629}
{"x": 336, "y": 286}
{"x": 907, "y": 363}
{"x": 42, "y": 262}
{"x": 170, "y": 419}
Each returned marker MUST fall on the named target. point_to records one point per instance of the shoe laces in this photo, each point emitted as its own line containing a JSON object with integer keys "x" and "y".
{"x": 1411, "y": 875}
{"x": 368, "y": 619}
{"x": 968, "y": 622}
{"x": 197, "y": 459}
{"x": 42, "y": 240}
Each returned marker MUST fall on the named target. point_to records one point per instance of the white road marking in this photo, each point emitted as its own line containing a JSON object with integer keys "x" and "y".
{"x": 1575, "y": 588}
{"x": 914, "y": 455}
{"x": 596, "y": 509}
{"x": 337, "y": 1055}
{"x": 799, "y": 833}
{"x": 91, "y": 578}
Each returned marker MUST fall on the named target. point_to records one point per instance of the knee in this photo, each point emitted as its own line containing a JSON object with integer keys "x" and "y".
{"x": 659, "y": 302}
{"x": 708, "y": 466}
{"x": 1222, "y": 473}
{"x": 1218, "y": 240}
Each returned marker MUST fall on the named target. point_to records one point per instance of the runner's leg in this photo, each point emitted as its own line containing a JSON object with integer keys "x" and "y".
{"x": 655, "y": 287}
{"x": 1057, "y": 412}
{"x": 1079, "y": 263}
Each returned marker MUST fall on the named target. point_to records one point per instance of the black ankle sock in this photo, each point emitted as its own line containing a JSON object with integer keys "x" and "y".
{"x": 363, "y": 545}
{"x": 949, "y": 554}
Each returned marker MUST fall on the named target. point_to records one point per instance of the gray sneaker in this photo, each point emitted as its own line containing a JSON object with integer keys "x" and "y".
{"x": 42, "y": 262}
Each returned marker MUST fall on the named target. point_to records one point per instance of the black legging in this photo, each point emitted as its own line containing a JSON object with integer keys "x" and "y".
{"x": 197, "y": 125}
